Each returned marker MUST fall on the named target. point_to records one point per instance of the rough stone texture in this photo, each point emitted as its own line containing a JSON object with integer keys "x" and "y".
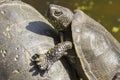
{"x": 23, "y": 33}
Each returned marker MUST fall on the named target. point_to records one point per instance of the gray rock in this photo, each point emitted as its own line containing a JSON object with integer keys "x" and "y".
{"x": 23, "y": 33}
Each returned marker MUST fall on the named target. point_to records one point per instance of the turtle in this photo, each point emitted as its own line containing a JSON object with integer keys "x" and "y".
{"x": 25, "y": 32}
{"x": 97, "y": 50}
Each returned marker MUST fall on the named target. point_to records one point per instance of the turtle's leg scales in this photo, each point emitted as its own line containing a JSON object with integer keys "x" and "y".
{"x": 45, "y": 61}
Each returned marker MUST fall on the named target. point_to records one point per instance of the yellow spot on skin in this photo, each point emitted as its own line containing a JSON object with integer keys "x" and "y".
{"x": 115, "y": 29}
{"x": 41, "y": 59}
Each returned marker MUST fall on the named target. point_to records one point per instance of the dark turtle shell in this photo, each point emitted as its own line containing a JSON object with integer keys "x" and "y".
{"x": 97, "y": 50}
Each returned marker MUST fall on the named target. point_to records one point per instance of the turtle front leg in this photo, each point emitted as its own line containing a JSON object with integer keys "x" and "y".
{"x": 44, "y": 62}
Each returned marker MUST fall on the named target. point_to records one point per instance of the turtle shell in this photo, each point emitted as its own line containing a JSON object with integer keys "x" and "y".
{"x": 23, "y": 33}
{"x": 97, "y": 50}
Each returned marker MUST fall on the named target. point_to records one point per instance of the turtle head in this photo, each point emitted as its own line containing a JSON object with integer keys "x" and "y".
{"x": 59, "y": 16}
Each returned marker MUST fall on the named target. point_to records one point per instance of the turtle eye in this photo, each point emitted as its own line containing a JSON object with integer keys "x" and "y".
{"x": 58, "y": 13}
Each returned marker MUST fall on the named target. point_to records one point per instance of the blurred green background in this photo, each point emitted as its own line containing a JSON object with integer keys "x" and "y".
{"x": 106, "y": 12}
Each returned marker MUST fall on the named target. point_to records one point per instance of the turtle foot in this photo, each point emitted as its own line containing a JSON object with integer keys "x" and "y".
{"x": 45, "y": 61}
